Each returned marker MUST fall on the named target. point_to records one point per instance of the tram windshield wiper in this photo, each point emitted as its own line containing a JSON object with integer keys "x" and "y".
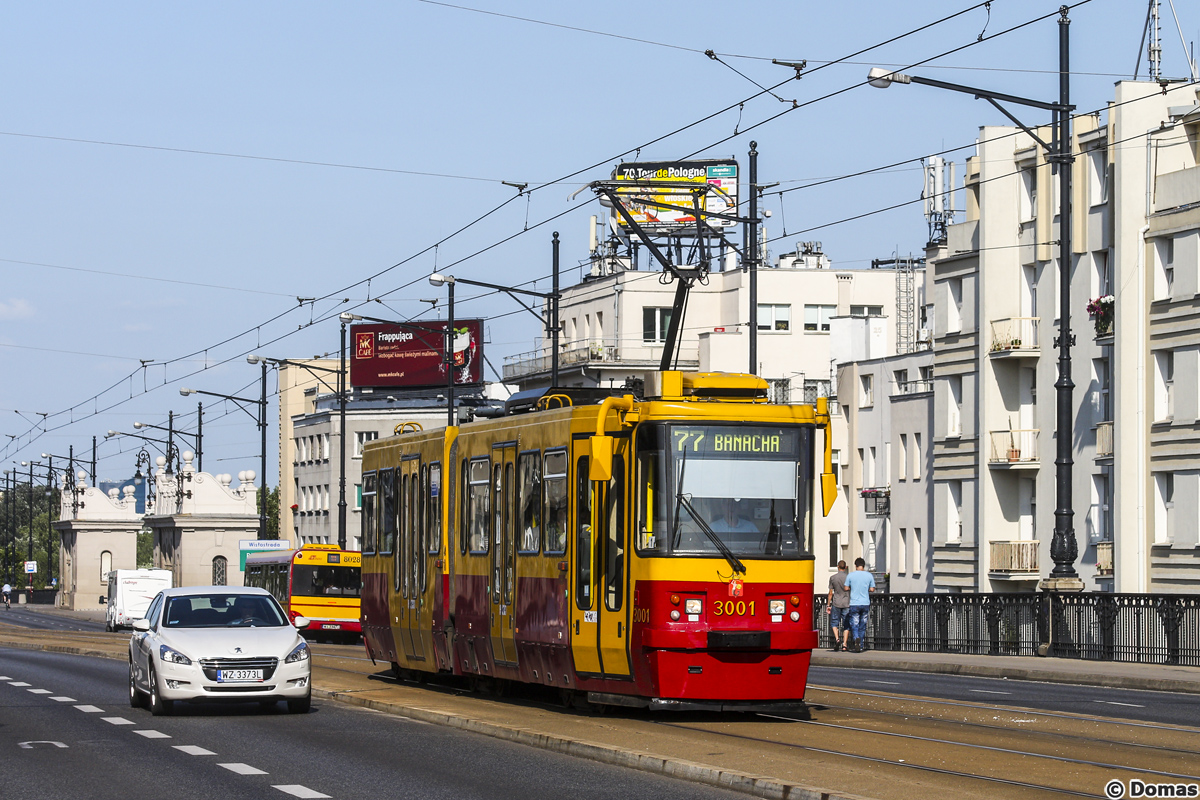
{"x": 682, "y": 502}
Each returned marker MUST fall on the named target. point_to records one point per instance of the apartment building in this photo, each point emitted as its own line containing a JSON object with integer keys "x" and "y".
{"x": 1135, "y": 362}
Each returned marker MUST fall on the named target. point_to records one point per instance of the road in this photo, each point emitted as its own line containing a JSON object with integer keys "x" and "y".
{"x": 109, "y": 750}
{"x": 36, "y": 618}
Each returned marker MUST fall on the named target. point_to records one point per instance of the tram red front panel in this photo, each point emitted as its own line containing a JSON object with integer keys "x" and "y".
{"x": 733, "y": 649}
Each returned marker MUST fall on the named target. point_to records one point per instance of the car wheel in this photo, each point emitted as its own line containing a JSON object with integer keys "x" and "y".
{"x": 136, "y": 698}
{"x": 159, "y": 706}
{"x": 108, "y": 628}
{"x": 300, "y": 705}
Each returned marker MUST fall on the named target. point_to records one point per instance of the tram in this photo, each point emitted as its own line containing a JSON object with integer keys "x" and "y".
{"x": 317, "y": 581}
{"x": 649, "y": 552}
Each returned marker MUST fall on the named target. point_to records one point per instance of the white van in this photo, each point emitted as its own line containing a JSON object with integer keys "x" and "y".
{"x": 129, "y": 594}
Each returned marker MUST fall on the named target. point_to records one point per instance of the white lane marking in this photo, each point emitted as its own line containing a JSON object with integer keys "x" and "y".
{"x": 5, "y": 678}
{"x": 117, "y": 721}
{"x": 29, "y": 745}
{"x": 153, "y": 734}
{"x": 21, "y": 684}
{"x": 243, "y": 769}
{"x": 193, "y": 750}
{"x": 886, "y": 683}
{"x": 61, "y": 699}
{"x": 90, "y": 709}
{"x": 987, "y": 691}
{"x": 1113, "y": 703}
{"x": 296, "y": 790}
{"x": 38, "y": 691}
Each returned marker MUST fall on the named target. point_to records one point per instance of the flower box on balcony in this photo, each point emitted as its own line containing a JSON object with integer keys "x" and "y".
{"x": 1101, "y": 310}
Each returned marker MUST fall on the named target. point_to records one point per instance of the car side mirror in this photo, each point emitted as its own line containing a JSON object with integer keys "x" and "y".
{"x": 301, "y": 622}
{"x": 141, "y": 624}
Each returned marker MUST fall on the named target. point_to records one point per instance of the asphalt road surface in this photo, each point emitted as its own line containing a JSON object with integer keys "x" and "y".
{"x": 1127, "y": 704}
{"x": 35, "y": 618}
{"x": 66, "y": 730}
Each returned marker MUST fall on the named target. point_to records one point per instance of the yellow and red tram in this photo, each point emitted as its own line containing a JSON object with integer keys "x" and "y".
{"x": 317, "y": 581}
{"x": 646, "y": 552}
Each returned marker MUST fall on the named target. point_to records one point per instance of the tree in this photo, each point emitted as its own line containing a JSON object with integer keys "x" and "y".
{"x": 273, "y": 513}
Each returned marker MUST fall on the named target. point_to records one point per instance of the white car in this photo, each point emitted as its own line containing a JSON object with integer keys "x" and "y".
{"x": 218, "y": 643}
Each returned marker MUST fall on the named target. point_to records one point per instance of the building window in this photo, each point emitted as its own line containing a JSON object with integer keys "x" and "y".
{"x": 816, "y": 318}
{"x": 774, "y": 317}
{"x": 916, "y": 454}
{"x": 780, "y": 390}
{"x": 954, "y": 291}
{"x": 1100, "y": 520}
{"x": 814, "y": 389}
{"x": 866, "y": 311}
{"x": 900, "y": 381}
{"x": 357, "y": 496}
{"x": 105, "y": 565}
{"x": 835, "y": 548}
{"x": 1164, "y": 505}
{"x": 1097, "y": 176}
{"x": 917, "y": 557}
{"x": 1102, "y": 282}
{"x": 902, "y": 462}
{"x": 1028, "y": 194}
{"x": 866, "y": 393}
{"x": 1164, "y": 262}
{"x": 1164, "y": 385}
{"x": 954, "y": 406}
{"x": 220, "y": 566}
{"x": 902, "y": 556}
{"x": 836, "y": 459}
{"x": 954, "y": 518}
{"x": 655, "y": 322}
{"x": 361, "y": 438}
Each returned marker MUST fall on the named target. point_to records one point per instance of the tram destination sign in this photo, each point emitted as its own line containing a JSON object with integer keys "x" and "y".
{"x": 733, "y": 442}
{"x": 672, "y": 183}
{"x": 410, "y": 356}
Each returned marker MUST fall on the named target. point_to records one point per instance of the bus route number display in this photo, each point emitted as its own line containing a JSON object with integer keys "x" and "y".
{"x": 731, "y": 441}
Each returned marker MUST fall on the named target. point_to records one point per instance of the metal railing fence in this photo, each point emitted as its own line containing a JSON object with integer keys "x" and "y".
{"x": 1140, "y": 628}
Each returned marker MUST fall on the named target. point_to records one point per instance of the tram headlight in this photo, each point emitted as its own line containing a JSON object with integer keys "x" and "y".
{"x": 795, "y": 615}
{"x": 674, "y": 614}
{"x": 693, "y": 605}
{"x": 776, "y": 607}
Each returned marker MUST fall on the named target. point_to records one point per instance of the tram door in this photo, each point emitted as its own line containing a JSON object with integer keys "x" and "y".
{"x": 610, "y": 511}
{"x": 503, "y": 579}
{"x": 409, "y": 556}
{"x": 585, "y": 619}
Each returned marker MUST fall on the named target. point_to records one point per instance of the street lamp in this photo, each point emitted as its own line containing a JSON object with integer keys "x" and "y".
{"x": 31, "y": 465}
{"x": 1063, "y": 547}
{"x": 261, "y": 419}
{"x": 341, "y": 395}
{"x": 197, "y": 437}
{"x": 438, "y": 279}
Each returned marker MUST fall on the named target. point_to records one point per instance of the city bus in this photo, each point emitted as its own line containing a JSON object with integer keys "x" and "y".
{"x": 318, "y": 581}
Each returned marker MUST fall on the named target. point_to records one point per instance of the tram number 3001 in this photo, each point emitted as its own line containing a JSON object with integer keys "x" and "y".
{"x": 729, "y": 608}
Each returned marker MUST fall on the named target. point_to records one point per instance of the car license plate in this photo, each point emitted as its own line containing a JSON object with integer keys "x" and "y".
{"x": 238, "y": 675}
{"x": 331, "y": 627}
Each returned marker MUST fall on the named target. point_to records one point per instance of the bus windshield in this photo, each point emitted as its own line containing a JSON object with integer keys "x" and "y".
{"x": 723, "y": 490}
{"x": 312, "y": 580}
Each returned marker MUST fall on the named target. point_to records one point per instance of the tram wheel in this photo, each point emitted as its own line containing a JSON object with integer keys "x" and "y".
{"x": 397, "y": 671}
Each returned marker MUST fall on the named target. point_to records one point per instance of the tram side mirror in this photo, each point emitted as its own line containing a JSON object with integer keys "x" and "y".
{"x": 828, "y": 491}
{"x": 600, "y": 464}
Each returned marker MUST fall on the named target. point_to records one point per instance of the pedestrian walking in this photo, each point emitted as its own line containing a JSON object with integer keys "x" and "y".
{"x": 839, "y": 608}
{"x": 860, "y": 583}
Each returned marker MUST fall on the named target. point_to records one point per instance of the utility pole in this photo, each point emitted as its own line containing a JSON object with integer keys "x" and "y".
{"x": 752, "y": 257}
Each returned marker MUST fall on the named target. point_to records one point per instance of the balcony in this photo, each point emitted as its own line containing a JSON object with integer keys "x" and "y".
{"x": 1013, "y": 561}
{"x": 912, "y": 387}
{"x": 1014, "y": 449}
{"x": 1104, "y": 440}
{"x": 1015, "y": 337}
{"x": 637, "y": 354}
{"x": 1104, "y": 559}
{"x": 877, "y": 502}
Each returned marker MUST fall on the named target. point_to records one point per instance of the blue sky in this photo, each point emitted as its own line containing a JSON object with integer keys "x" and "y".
{"x": 174, "y": 176}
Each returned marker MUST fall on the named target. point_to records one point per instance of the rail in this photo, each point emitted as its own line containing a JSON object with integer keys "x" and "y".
{"x": 1138, "y": 628}
{"x": 1013, "y": 557}
{"x": 594, "y": 351}
{"x": 1015, "y": 334}
{"x": 1104, "y": 439}
{"x": 1013, "y": 446}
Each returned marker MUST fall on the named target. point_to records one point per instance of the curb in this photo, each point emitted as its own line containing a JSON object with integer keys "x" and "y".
{"x": 1026, "y": 674}
{"x": 756, "y": 785}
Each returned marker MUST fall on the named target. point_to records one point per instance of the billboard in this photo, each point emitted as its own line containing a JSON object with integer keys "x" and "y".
{"x": 672, "y": 182}
{"x": 410, "y": 356}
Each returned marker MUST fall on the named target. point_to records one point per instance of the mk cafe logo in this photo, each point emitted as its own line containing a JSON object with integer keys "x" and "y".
{"x": 364, "y": 344}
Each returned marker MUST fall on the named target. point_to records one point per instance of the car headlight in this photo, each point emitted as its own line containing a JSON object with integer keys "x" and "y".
{"x": 170, "y": 656}
{"x": 776, "y": 606}
{"x": 299, "y": 654}
{"x": 693, "y": 605}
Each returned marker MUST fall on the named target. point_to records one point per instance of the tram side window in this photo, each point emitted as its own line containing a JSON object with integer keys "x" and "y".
{"x": 387, "y": 488}
{"x": 477, "y": 514}
{"x": 648, "y": 491}
{"x": 529, "y": 501}
{"x": 583, "y": 525}
{"x": 464, "y": 498}
{"x": 614, "y": 545}
{"x": 433, "y": 509}
{"x": 368, "y": 513}
{"x": 556, "y": 502}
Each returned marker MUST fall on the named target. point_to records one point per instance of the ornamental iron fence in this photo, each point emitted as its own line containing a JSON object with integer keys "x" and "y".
{"x": 1140, "y": 628}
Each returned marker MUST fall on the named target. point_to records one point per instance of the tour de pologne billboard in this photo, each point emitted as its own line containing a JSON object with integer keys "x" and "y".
{"x": 410, "y": 356}
{"x": 722, "y": 175}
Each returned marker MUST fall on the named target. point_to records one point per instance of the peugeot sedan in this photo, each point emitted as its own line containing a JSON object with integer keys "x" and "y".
{"x": 218, "y": 643}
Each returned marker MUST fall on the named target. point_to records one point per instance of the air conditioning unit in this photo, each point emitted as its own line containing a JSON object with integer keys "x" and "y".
{"x": 925, "y": 335}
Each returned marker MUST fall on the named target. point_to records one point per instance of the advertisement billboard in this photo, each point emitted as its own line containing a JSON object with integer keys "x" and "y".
{"x": 672, "y": 182}
{"x": 409, "y": 356}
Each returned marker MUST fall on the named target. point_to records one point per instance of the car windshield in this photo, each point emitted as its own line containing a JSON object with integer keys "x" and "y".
{"x": 220, "y": 610}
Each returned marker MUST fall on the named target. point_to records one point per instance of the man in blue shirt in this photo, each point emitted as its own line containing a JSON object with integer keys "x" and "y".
{"x": 860, "y": 583}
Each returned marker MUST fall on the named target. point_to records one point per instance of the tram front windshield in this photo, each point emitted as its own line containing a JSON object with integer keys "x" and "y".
{"x": 747, "y": 487}
{"x": 311, "y": 580}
